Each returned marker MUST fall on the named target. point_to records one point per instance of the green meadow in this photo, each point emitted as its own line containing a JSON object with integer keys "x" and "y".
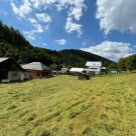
{"x": 66, "y": 106}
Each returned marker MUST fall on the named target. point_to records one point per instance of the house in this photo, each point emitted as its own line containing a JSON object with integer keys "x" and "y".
{"x": 94, "y": 66}
{"x": 104, "y": 70}
{"x": 76, "y": 70}
{"x": 114, "y": 71}
{"x": 79, "y": 70}
{"x": 37, "y": 70}
{"x": 64, "y": 70}
{"x": 10, "y": 70}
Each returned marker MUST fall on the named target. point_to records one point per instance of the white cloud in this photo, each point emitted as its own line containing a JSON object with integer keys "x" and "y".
{"x": 61, "y": 41}
{"x": 36, "y": 25}
{"x": 43, "y": 17}
{"x": 74, "y": 9}
{"x": 110, "y": 50}
{"x": 29, "y": 35}
{"x": 117, "y": 15}
{"x": 38, "y": 28}
{"x": 76, "y": 13}
{"x": 39, "y": 3}
{"x": 32, "y": 20}
{"x": 22, "y": 10}
{"x": 71, "y": 27}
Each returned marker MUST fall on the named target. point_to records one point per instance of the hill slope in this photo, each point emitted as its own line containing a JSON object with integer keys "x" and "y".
{"x": 13, "y": 44}
{"x": 58, "y": 107}
{"x": 81, "y": 56}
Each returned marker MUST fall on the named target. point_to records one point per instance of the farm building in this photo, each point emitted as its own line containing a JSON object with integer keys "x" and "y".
{"x": 94, "y": 66}
{"x": 79, "y": 70}
{"x": 104, "y": 70}
{"x": 10, "y": 70}
{"x": 64, "y": 70}
{"x": 114, "y": 71}
{"x": 76, "y": 70}
{"x": 37, "y": 70}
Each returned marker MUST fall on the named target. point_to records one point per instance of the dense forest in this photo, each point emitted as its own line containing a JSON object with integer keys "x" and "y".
{"x": 14, "y": 45}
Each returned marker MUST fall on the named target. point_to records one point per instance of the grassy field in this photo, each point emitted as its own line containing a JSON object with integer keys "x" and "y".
{"x": 65, "y": 106}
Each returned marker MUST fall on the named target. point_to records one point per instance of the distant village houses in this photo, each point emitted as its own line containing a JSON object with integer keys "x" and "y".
{"x": 10, "y": 71}
{"x": 90, "y": 67}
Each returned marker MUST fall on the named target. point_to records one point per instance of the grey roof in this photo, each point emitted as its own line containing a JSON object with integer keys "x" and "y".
{"x": 35, "y": 66}
{"x": 3, "y": 59}
{"x": 93, "y": 64}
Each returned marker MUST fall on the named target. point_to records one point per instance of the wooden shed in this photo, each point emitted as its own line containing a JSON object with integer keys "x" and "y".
{"x": 37, "y": 70}
{"x": 10, "y": 70}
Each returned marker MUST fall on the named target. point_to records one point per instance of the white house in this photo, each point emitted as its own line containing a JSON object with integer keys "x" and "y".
{"x": 94, "y": 66}
{"x": 76, "y": 70}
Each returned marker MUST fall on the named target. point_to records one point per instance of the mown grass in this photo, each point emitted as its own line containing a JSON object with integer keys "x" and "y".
{"x": 65, "y": 106}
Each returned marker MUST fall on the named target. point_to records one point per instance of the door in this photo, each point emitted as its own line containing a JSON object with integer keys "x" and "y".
{"x": 3, "y": 75}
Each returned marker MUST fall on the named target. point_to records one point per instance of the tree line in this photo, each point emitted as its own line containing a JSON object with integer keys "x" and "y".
{"x": 125, "y": 64}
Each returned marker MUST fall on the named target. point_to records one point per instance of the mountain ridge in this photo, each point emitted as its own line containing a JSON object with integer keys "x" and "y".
{"x": 14, "y": 45}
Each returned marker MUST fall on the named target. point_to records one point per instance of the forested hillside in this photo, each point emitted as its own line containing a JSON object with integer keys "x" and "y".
{"x": 128, "y": 63}
{"x": 13, "y": 44}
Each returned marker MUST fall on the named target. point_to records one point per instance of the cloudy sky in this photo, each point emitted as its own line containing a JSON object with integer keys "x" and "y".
{"x": 102, "y": 27}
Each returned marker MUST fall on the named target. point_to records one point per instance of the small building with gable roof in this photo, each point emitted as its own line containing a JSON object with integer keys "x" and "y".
{"x": 37, "y": 70}
{"x": 10, "y": 70}
{"x": 94, "y": 66}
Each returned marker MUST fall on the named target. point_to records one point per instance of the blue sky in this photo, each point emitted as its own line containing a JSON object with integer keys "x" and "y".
{"x": 103, "y": 27}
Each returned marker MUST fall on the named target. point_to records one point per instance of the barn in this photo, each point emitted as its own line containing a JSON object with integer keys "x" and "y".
{"x": 37, "y": 70}
{"x": 10, "y": 70}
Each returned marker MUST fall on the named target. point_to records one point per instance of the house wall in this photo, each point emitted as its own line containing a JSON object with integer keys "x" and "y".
{"x": 3, "y": 74}
{"x": 37, "y": 73}
{"x": 96, "y": 70}
{"x": 16, "y": 76}
{"x": 34, "y": 73}
{"x": 10, "y": 71}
